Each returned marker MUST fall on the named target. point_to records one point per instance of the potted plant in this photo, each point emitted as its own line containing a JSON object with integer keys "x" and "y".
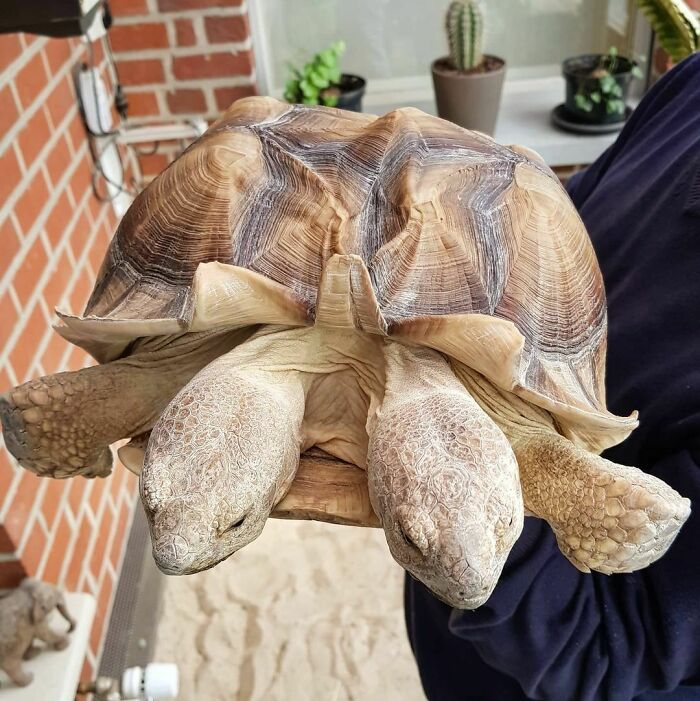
{"x": 468, "y": 84}
{"x": 597, "y": 86}
{"x": 320, "y": 82}
{"x": 676, "y": 27}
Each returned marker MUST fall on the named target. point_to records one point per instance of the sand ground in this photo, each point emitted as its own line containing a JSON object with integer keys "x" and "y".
{"x": 308, "y": 611}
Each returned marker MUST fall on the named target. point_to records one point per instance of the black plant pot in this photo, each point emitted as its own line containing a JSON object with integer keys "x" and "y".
{"x": 352, "y": 89}
{"x": 577, "y": 73}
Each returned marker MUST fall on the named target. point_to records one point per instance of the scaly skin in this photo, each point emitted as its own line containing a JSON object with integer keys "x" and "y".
{"x": 442, "y": 479}
{"x": 62, "y": 425}
{"x": 606, "y": 517}
{"x": 222, "y": 454}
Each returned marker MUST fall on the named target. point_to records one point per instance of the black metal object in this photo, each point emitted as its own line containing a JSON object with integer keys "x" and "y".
{"x": 130, "y": 635}
{"x": 54, "y": 18}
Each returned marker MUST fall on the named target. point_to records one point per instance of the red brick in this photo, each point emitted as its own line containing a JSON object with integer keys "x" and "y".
{"x": 75, "y": 568}
{"x": 9, "y": 244}
{"x": 99, "y": 549}
{"x": 11, "y": 174}
{"x": 21, "y": 505}
{"x": 120, "y": 536}
{"x": 31, "y": 202}
{"x": 10, "y": 49}
{"x": 34, "y": 549}
{"x": 102, "y": 612}
{"x": 52, "y": 500}
{"x": 81, "y": 292}
{"x": 81, "y": 180}
{"x": 183, "y": 101}
{"x": 76, "y": 132}
{"x": 142, "y": 104}
{"x": 152, "y": 164}
{"x": 57, "y": 555}
{"x": 31, "y": 80}
{"x": 22, "y": 355}
{"x": 59, "y": 160}
{"x": 128, "y": 7}
{"x": 136, "y": 37}
{"x": 225, "y": 29}
{"x": 53, "y": 353}
{"x": 57, "y": 51}
{"x": 8, "y": 110}
{"x": 175, "y": 5}
{"x": 11, "y": 574}
{"x": 6, "y": 543}
{"x": 96, "y": 254}
{"x": 59, "y": 102}
{"x": 87, "y": 674}
{"x": 57, "y": 222}
{"x": 34, "y": 137}
{"x": 31, "y": 269}
{"x": 184, "y": 31}
{"x": 141, "y": 72}
{"x": 8, "y": 318}
{"x": 225, "y": 97}
{"x": 81, "y": 235}
{"x": 7, "y": 471}
{"x": 212, "y": 65}
{"x": 78, "y": 487}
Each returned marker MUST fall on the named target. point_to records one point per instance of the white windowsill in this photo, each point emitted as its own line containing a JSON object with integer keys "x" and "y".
{"x": 524, "y": 118}
{"x": 57, "y": 673}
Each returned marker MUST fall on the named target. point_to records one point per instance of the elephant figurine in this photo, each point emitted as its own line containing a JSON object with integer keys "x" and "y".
{"x": 24, "y": 617}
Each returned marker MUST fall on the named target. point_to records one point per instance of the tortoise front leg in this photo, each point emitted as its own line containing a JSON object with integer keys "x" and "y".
{"x": 606, "y": 517}
{"x": 62, "y": 425}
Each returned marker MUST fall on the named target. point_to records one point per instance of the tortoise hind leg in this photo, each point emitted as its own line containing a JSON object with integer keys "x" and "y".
{"x": 62, "y": 425}
{"x": 606, "y": 517}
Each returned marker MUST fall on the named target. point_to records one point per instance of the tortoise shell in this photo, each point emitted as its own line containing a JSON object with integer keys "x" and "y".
{"x": 404, "y": 225}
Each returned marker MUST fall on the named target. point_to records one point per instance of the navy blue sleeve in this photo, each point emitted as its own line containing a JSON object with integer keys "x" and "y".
{"x": 562, "y": 634}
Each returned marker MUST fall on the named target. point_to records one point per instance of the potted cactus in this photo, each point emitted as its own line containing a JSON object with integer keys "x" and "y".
{"x": 468, "y": 83}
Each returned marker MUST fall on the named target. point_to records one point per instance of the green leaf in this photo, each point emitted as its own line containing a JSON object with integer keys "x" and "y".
{"x": 582, "y": 102}
{"x": 615, "y": 107}
{"x": 595, "y": 97}
{"x": 616, "y": 90}
{"x": 637, "y": 72}
{"x": 330, "y": 100}
{"x": 607, "y": 83}
{"x": 676, "y": 26}
{"x": 318, "y": 79}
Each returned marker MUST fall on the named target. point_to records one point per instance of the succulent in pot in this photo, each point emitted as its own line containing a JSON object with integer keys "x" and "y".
{"x": 468, "y": 83}
{"x": 597, "y": 87}
{"x": 320, "y": 82}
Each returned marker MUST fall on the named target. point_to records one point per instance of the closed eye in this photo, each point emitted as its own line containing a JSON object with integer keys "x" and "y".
{"x": 236, "y": 525}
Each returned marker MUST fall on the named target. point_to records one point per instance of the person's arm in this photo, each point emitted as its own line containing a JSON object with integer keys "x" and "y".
{"x": 564, "y": 634}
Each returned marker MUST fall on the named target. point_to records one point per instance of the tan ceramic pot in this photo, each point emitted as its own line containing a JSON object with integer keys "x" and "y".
{"x": 469, "y": 99}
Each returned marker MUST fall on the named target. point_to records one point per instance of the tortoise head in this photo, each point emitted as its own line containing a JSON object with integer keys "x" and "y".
{"x": 212, "y": 471}
{"x": 444, "y": 482}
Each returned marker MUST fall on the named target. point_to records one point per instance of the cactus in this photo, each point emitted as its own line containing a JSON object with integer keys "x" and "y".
{"x": 465, "y": 26}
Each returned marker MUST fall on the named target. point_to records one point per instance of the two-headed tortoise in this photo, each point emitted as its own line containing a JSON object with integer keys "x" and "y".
{"x": 412, "y": 298}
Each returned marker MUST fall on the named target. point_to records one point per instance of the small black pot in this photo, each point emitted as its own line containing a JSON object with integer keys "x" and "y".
{"x": 352, "y": 89}
{"x": 576, "y": 72}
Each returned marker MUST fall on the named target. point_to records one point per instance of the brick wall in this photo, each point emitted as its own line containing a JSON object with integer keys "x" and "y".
{"x": 53, "y": 235}
{"x": 177, "y": 59}
{"x": 180, "y": 59}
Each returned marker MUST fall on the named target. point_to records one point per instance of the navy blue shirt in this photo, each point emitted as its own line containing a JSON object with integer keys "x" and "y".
{"x": 549, "y": 631}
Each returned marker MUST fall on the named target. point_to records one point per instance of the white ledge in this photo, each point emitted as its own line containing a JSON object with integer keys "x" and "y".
{"x": 57, "y": 673}
{"x": 524, "y": 117}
